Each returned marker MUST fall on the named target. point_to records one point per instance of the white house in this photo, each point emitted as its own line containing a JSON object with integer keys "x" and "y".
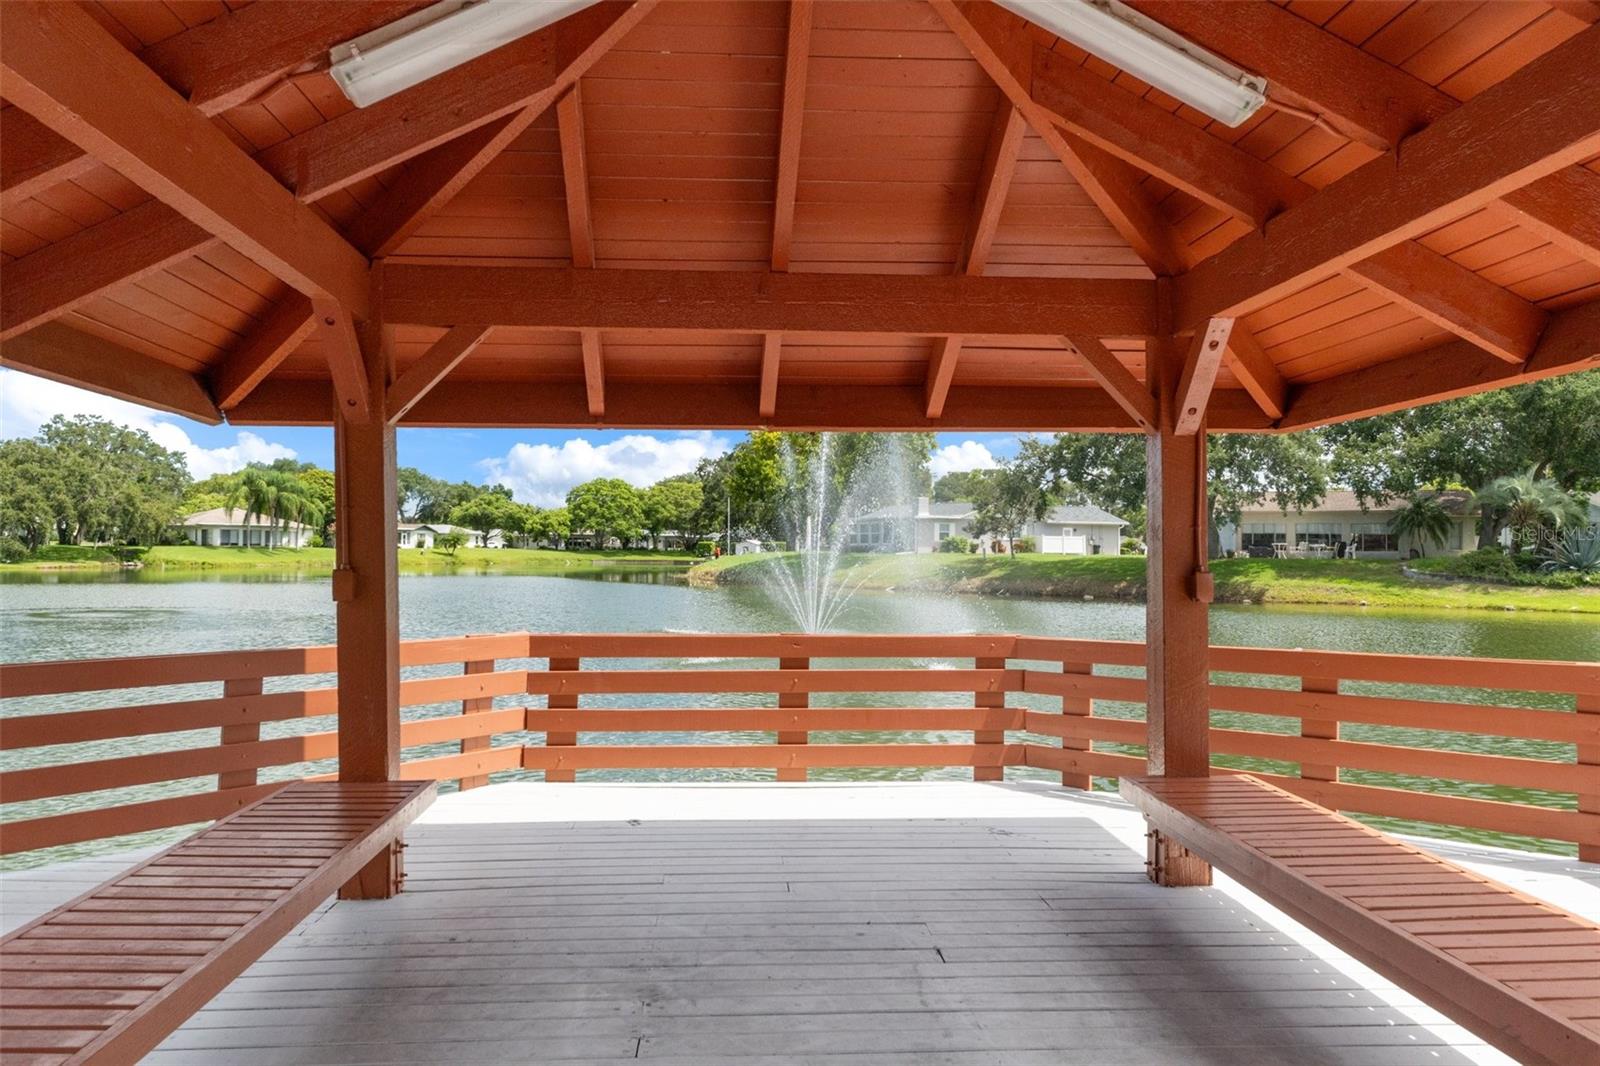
{"x": 1071, "y": 529}
{"x": 423, "y": 534}
{"x": 1340, "y": 519}
{"x": 227, "y": 528}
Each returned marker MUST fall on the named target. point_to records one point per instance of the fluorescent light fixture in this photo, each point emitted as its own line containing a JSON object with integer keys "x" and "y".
{"x": 437, "y": 38}
{"x": 1149, "y": 51}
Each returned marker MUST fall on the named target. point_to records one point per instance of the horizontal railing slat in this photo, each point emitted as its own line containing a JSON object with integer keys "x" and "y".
{"x": 78, "y": 826}
{"x": 770, "y": 719}
{"x": 764, "y": 756}
{"x": 767, "y": 646}
{"x": 635, "y": 682}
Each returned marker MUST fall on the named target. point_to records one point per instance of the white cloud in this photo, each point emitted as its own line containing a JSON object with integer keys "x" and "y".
{"x": 543, "y": 473}
{"x": 968, "y": 455}
{"x": 28, "y": 402}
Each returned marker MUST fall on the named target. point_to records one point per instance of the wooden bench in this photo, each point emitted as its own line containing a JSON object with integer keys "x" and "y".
{"x": 104, "y": 978}
{"x": 1518, "y": 972}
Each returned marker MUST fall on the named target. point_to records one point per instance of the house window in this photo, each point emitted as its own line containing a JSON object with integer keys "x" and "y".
{"x": 1457, "y": 534}
{"x": 1373, "y": 537}
{"x": 1261, "y": 535}
{"x": 255, "y": 538}
{"x": 228, "y": 537}
{"x": 867, "y": 534}
{"x": 1320, "y": 532}
{"x": 942, "y": 531}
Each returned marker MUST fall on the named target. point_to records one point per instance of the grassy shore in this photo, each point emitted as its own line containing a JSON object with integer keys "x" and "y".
{"x": 1365, "y": 583}
{"x": 320, "y": 560}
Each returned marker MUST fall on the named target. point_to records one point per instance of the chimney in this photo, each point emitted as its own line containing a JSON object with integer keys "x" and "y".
{"x": 922, "y": 505}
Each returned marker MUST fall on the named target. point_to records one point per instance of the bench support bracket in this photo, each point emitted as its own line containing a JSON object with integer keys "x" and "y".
{"x": 1169, "y": 863}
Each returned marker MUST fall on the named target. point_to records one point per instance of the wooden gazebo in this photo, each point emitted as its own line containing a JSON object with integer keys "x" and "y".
{"x": 894, "y": 215}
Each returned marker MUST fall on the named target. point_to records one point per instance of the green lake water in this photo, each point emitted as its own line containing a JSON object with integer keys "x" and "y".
{"x": 92, "y": 615}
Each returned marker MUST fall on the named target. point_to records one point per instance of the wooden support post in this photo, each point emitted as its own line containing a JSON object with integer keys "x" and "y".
{"x": 366, "y": 591}
{"x": 1080, "y": 707}
{"x": 566, "y": 701}
{"x": 474, "y": 706}
{"x": 243, "y": 733}
{"x": 1589, "y": 755}
{"x": 989, "y": 699}
{"x": 1177, "y": 620}
{"x": 1319, "y": 729}
{"x": 788, "y": 698}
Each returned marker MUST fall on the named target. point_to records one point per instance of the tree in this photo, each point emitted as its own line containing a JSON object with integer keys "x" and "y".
{"x": 277, "y": 495}
{"x": 551, "y": 526}
{"x": 489, "y": 511}
{"x": 117, "y": 484}
{"x": 31, "y": 493}
{"x": 671, "y": 504}
{"x": 968, "y": 485}
{"x": 449, "y": 543}
{"x": 607, "y": 507}
{"x": 1529, "y": 505}
{"x": 1422, "y": 518}
{"x": 1017, "y": 496}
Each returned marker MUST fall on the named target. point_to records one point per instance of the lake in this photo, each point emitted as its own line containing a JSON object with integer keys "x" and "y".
{"x": 78, "y": 615}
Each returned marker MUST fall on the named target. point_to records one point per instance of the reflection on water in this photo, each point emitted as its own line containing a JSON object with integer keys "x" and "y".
{"x": 76, "y": 615}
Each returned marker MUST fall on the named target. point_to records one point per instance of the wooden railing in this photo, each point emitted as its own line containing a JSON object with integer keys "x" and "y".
{"x": 1067, "y": 706}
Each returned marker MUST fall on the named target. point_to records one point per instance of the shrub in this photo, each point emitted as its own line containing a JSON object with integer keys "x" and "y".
{"x": 316, "y": 541}
{"x": 956, "y": 544}
{"x": 1024, "y": 544}
{"x": 12, "y": 550}
{"x": 1577, "y": 550}
{"x": 704, "y": 548}
{"x": 1132, "y": 546}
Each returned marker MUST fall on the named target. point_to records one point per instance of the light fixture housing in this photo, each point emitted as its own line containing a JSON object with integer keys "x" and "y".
{"x": 1123, "y": 37}
{"x": 425, "y": 43}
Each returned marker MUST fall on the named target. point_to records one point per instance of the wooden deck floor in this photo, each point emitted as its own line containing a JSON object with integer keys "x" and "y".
{"x": 933, "y": 923}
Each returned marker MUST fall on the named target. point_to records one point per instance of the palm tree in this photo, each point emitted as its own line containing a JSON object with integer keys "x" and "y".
{"x": 1528, "y": 505}
{"x": 275, "y": 494}
{"x": 1422, "y": 519}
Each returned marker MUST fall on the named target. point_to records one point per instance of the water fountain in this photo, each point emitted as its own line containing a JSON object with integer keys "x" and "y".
{"x": 813, "y": 582}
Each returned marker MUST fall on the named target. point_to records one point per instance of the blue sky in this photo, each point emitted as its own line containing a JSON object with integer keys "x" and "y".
{"x": 538, "y": 465}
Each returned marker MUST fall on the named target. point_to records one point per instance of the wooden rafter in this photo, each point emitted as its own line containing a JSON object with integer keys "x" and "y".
{"x": 1127, "y": 391}
{"x": 771, "y": 355}
{"x": 129, "y": 119}
{"x": 1475, "y": 309}
{"x": 594, "y": 373}
{"x": 1536, "y": 122}
{"x": 1200, "y": 376}
{"x": 795, "y": 65}
{"x": 575, "y": 175}
{"x": 1571, "y": 342}
{"x": 531, "y": 72}
{"x": 1003, "y": 46}
{"x": 668, "y": 301}
{"x": 215, "y": 66}
{"x": 994, "y": 181}
{"x": 941, "y": 372}
{"x": 443, "y": 356}
{"x": 1256, "y": 372}
{"x": 285, "y": 326}
{"x": 1564, "y": 209}
{"x": 341, "y": 345}
{"x": 62, "y": 276}
{"x": 700, "y": 405}
{"x": 73, "y": 357}
{"x": 1360, "y": 95}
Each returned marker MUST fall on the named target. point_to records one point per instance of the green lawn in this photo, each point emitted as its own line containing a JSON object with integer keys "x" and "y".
{"x": 321, "y": 560}
{"x": 1369, "y": 583}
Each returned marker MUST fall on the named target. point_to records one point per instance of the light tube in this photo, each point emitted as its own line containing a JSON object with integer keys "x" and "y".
{"x": 1149, "y": 51}
{"x": 436, "y": 39}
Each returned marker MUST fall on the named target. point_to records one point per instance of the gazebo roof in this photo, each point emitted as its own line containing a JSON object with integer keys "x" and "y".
{"x": 889, "y": 214}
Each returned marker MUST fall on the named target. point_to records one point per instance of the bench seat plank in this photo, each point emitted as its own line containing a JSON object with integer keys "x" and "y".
{"x": 1520, "y": 973}
{"x": 105, "y": 977}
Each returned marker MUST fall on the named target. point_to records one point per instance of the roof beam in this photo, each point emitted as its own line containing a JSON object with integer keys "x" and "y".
{"x": 1536, "y": 122}
{"x": 994, "y": 181}
{"x": 73, "y": 357}
{"x": 575, "y": 176}
{"x": 771, "y": 355}
{"x": 797, "y": 59}
{"x": 1571, "y": 343}
{"x": 594, "y": 373}
{"x": 1360, "y": 95}
{"x": 667, "y": 301}
{"x": 1453, "y": 297}
{"x": 1564, "y": 209}
{"x": 1003, "y": 45}
{"x": 341, "y": 346}
{"x": 1160, "y": 142}
{"x": 286, "y": 325}
{"x": 125, "y": 116}
{"x": 1127, "y": 391}
{"x": 215, "y": 66}
{"x": 531, "y": 72}
{"x": 1200, "y": 376}
{"x": 1256, "y": 372}
{"x": 67, "y": 274}
{"x": 941, "y": 372}
{"x": 443, "y": 356}
{"x": 697, "y": 405}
